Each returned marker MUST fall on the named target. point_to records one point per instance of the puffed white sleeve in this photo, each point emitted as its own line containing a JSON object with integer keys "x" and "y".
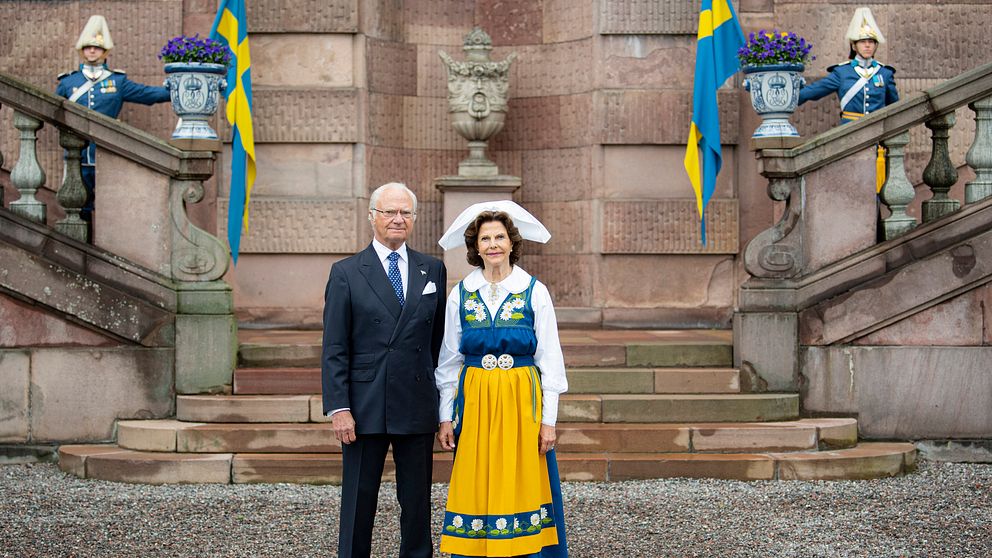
{"x": 548, "y": 356}
{"x": 450, "y": 360}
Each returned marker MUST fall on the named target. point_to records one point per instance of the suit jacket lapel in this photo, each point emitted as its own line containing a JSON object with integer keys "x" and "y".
{"x": 416, "y": 281}
{"x": 371, "y": 268}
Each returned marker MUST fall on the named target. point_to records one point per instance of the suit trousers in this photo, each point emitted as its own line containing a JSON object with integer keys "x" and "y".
{"x": 364, "y": 460}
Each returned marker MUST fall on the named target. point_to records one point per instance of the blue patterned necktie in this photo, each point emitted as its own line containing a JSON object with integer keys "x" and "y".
{"x": 394, "y": 275}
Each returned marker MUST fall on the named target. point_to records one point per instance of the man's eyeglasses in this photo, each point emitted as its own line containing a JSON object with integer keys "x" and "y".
{"x": 392, "y": 213}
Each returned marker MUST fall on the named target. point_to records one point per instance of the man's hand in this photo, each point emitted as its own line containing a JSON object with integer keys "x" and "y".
{"x": 546, "y": 439}
{"x": 446, "y": 435}
{"x": 344, "y": 426}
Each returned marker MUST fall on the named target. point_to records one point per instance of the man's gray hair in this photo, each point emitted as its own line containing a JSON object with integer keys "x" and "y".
{"x": 374, "y": 199}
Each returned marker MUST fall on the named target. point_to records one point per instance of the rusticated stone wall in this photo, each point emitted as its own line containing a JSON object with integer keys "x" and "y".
{"x": 350, "y": 94}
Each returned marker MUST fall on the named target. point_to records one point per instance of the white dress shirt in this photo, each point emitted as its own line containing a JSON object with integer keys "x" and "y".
{"x": 404, "y": 263}
{"x": 548, "y": 357}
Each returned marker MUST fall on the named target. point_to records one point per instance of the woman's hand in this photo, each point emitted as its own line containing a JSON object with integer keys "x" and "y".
{"x": 446, "y": 435}
{"x": 546, "y": 439}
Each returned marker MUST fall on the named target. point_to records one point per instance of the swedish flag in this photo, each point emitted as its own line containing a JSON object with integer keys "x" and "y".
{"x": 717, "y": 41}
{"x": 231, "y": 28}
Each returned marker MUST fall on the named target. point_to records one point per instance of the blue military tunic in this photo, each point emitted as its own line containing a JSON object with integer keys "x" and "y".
{"x": 876, "y": 93}
{"x": 108, "y": 96}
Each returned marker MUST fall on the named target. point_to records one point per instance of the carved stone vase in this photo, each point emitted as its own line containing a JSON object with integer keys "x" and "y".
{"x": 774, "y": 95}
{"x": 195, "y": 89}
{"x": 477, "y": 99}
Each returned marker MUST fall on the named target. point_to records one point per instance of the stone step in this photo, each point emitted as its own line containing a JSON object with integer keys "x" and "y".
{"x": 582, "y": 348}
{"x": 305, "y": 381}
{"x": 801, "y": 435}
{"x": 866, "y": 460}
{"x": 652, "y": 408}
{"x": 747, "y": 407}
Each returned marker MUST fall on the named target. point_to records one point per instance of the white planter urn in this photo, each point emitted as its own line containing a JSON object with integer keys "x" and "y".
{"x": 195, "y": 89}
{"x": 774, "y": 96}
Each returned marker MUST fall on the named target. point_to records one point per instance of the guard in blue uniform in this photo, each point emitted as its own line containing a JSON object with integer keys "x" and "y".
{"x": 862, "y": 84}
{"x": 95, "y": 86}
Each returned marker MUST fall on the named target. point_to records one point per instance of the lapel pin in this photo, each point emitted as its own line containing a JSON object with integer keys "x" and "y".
{"x": 422, "y": 272}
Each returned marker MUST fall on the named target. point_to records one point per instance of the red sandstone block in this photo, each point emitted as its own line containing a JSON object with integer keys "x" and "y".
{"x": 652, "y": 466}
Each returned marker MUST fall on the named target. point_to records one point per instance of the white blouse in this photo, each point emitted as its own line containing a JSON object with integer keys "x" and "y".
{"x": 548, "y": 356}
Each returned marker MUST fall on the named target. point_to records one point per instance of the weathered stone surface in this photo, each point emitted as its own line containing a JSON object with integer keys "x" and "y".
{"x": 510, "y": 22}
{"x": 902, "y": 392}
{"x": 443, "y": 22}
{"x": 611, "y": 380}
{"x": 545, "y": 70}
{"x": 298, "y": 170}
{"x": 392, "y": 67}
{"x": 277, "y": 381}
{"x": 150, "y": 435}
{"x": 160, "y": 468}
{"x": 691, "y": 465}
{"x": 958, "y": 322}
{"x": 280, "y": 288}
{"x": 595, "y": 354}
{"x": 674, "y": 354}
{"x": 243, "y": 408}
{"x": 571, "y": 227}
{"x": 566, "y": 20}
{"x": 206, "y": 352}
{"x": 646, "y": 171}
{"x": 571, "y": 279}
{"x": 288, "y": 116}
{"x": 547, "y": 123}
{"x": 835, "y": 433}
{"x": 427, "y": 125}
{"x": 72, "y": 459}
{"x": 302, "y": 60}
{"x": 15, "y": 386}
{"x": 307, "y": 16}
{"x": 866, "y": 461}
{"x": 385, "y": 120}
{"x": 784, "y": 436}
{"x": 583, "y": 467}
{"x": 647, "y": 62}
{"x": 768, "y": 342}
{"x": 580, "y": 408}
{"x": 656, "y": 117}
{"x": 696, "y": 380}
{"x": 265, "y": 438}
{"x": 302, "y": 226}
{"x": 692, "y": 282}
{"x": 271, "y": 468}
{"x": 23, "y": 325}
{"x": 77, "y": 394}
{"x": 700, "y": 408}
{"x": 622, "y": 438}
{"x": 556, "y": 175}
{"x": 668, "y": 227}
{"x": 648, "y": 16}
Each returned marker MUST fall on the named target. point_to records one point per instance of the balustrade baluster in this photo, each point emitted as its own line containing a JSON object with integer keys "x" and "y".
{"x": 940, "y": 173}
{"x": 27, "y": 175}
{"x": 72, "y": 194}
{"x": 897, "y": 193}
{"x": 979, "y": 157}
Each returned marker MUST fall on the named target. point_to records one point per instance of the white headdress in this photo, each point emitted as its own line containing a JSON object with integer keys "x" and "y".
{"x": 863, "y": 26}
{"x": 528, "y": 225}
{"x": 96, "y": 33}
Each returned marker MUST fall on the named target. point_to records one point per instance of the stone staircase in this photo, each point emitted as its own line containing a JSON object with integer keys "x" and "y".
{"x": 641, "y": 404}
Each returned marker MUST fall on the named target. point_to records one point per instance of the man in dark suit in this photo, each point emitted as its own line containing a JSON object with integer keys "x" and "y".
{"x": 383, "y": 325}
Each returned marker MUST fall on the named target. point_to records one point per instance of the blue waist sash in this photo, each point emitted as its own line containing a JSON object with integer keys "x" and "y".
{"x": 518, "y": 360}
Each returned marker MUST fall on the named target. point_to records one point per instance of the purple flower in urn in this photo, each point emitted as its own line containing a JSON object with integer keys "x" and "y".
{"x": 195, "y": 49}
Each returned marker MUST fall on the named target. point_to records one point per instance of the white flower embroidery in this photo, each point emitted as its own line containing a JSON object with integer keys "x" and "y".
{"x": 501, "y": 523}
{"x": 506, "y": 314}
{"x": 535, "y": 520}
{"x": 516, "y": 523}
{"x": 544, "y": 512}
{"x": 476, "y": 524}
{"x": 518, "y": 303}
{"x": 471, "y": 305}
{"x": 480, "y": 314}
{"x": 457, "y": 521}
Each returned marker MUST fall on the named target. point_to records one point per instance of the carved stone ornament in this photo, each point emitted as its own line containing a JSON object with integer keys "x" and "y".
{"x": 196, "y": 254}
{"x": 777, "y": 252}
{"x": 477, "y": 99}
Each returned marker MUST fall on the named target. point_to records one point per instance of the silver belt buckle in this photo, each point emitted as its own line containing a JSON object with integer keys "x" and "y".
{"x": 505, "y": 361}
{"x": 489, "y": 362}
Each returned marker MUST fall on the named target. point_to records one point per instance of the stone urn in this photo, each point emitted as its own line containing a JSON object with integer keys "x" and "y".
{"x": 477, "y": 99}
{"x": 774, "y": 95}
{"x": 195, "y": 89}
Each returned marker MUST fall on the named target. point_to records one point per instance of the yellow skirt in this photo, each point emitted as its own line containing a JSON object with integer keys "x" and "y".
{"x": 499, "y": 500}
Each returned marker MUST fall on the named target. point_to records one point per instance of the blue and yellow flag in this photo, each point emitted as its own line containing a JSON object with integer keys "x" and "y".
{"x": 231, "y": 29}
{"x": 717, "y": 41}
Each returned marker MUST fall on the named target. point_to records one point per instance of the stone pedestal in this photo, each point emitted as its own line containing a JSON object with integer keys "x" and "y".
{"x": 206, "y": 338}
{"x": 459, "y": 192}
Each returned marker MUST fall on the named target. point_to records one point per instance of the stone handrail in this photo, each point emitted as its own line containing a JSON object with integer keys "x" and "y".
{"x": 144, "y": 185}
{"x": 827, "y": 182}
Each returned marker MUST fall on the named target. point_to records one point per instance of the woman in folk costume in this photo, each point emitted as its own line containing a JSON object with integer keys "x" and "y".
{"x": 500, "y": 373}
{"x": 862, "y": 84}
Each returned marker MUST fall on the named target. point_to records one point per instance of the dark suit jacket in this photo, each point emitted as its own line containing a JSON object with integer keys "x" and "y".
{"x": 379, "y": 357}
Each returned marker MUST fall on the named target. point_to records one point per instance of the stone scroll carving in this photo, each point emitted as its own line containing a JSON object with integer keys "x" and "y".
{"x": 196, "y": 254}
{"x": 777, "y": 252}
{"x": 477, "y": 99}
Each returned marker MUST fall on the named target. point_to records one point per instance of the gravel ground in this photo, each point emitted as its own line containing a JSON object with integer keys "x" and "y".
{"x": 942, "y": 510}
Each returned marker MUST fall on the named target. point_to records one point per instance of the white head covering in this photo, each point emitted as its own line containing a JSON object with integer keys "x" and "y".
{"x": 528, "y": 225}
{"x": 863, "y": 26}
{"x": 96, "y": 33}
